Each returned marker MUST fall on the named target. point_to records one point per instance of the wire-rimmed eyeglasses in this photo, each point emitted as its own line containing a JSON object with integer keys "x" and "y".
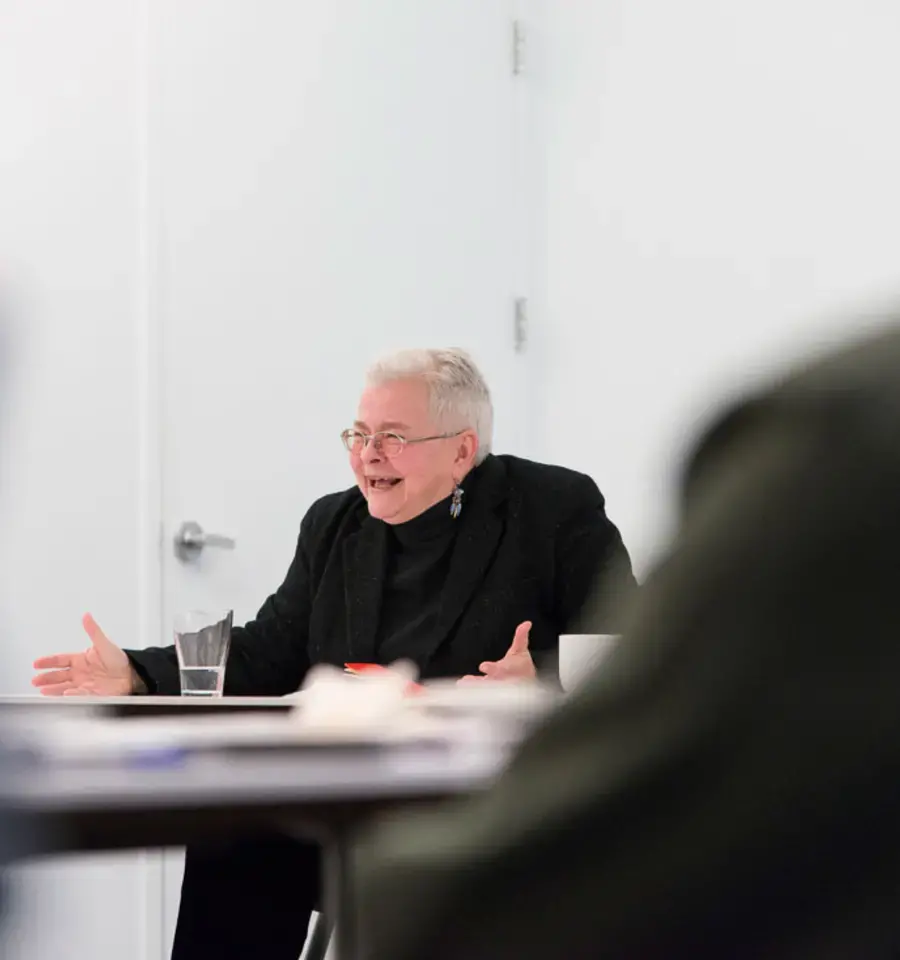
{"x": 385, "y": 442}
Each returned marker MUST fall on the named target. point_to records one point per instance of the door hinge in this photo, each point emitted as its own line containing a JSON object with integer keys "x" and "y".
{"x": 518, "y": 47}
{"x": 520, "y": 324}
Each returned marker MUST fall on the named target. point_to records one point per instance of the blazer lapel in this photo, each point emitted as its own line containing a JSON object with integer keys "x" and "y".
{"x": 476, "y": 545}
{"x": 365, "y": 560}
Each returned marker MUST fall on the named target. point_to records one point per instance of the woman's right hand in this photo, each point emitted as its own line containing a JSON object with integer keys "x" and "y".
{"x": 103, "y": 670}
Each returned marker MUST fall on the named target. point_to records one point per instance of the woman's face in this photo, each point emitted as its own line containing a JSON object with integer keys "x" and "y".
{"x": 400, "y": 487}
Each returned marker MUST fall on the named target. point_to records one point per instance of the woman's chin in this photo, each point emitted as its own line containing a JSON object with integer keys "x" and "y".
{"x": 383, "y": 505}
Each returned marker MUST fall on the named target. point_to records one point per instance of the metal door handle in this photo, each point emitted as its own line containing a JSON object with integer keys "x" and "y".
{"x": 191, "y": 539}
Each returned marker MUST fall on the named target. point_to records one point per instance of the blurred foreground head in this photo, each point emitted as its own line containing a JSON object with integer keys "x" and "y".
{"x": 728, "y": 782}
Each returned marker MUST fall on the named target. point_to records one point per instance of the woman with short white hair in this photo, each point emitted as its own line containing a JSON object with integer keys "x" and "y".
{"x": 467, "y": 563}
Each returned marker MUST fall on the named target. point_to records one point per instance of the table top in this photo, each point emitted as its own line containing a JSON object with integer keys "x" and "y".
{"x": 36, "y": 699}
{"x": 253, "y": 777}
{"x": 93, "y": 781}
{"x": 184, "y": 798}
{"x": 144, "y": 705}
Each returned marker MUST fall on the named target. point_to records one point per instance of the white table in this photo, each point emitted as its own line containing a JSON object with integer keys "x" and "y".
{"x": 324, "y": 792}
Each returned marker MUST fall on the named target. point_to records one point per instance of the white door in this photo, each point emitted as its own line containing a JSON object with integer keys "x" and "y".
{"x": 76, "y": 529}
{"x": 331, "y": 179}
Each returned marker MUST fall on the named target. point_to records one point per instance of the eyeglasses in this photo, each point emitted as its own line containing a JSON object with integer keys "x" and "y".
{"x": 388, "y": 444}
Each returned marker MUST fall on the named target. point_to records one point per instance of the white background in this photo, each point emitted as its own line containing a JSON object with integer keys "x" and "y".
{"x": 720, "y": 196}
{"x": 695, "y": 192}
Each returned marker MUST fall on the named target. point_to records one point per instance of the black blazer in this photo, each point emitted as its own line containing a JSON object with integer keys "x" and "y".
{"x": 532, "y": 540}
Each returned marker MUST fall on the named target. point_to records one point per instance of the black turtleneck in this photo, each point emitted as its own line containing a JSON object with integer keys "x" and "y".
{"x": 418, "y": 561}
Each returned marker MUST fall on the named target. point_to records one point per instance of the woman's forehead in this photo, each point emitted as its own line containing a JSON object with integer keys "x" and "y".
{"x": 401, "y": 405}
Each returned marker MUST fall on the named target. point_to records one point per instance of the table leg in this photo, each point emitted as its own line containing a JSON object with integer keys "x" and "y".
{"x": 338, "y": 905}
{"x": 319, "y": 939}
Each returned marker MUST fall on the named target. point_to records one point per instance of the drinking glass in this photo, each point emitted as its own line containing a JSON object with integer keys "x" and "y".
{"x": 202, "y": 639}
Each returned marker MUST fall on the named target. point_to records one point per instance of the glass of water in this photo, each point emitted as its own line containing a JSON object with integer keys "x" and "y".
{"x": 202, "y": 639}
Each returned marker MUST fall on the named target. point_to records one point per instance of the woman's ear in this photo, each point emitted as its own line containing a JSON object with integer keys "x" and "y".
{"x": 467, "y": 447}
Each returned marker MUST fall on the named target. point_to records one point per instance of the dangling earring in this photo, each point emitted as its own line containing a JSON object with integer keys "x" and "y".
{"x": 456, "y": 501}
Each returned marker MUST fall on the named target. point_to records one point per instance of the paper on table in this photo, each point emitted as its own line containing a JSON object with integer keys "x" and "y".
{"x": 335, "y": 700}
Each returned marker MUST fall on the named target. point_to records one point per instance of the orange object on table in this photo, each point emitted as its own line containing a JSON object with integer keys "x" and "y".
{"x": 361, "y": 669}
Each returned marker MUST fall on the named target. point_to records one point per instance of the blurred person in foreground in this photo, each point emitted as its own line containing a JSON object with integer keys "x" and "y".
{"x": 469, "y": 564}
{"x": 728, "y": 783}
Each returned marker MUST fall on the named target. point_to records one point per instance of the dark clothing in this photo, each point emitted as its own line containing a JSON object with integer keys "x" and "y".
{"x": 446, "y": 593}
{"x": 417, "y": 567}
{"x": 530, "y": 541}
{"x": 727, "y": 784}
{"x": 252, "y": 897}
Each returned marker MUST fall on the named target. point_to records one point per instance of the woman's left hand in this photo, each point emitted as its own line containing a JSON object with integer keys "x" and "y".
{"x": 515, "y": 665}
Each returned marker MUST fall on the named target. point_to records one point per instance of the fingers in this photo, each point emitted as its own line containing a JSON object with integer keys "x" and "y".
{"x": 492, "y": 668}
{"x": 512, "y": 667}
{"x": 98, "y": 638}
{"x": 57, "y": 660}
{"x": 520, "y": 639}
{"x": 56, "y": 689}
{"x": 470, "y": 679}
{"x": 51, "y": 677}
{"x": 516, "y": 662}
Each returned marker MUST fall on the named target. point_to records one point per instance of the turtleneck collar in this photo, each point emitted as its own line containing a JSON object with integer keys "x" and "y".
{"x": 436, "y": 521}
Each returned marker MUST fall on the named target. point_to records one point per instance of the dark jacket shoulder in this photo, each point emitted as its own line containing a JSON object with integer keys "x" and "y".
{"x": 328, "y": 512}
{"x": 554, "y": 484}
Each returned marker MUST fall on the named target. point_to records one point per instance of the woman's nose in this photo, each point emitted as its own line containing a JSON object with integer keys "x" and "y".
{"x": 369, "y": 452}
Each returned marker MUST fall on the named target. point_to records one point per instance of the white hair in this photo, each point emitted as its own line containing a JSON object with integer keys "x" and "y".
{"x": 459, "y": 395}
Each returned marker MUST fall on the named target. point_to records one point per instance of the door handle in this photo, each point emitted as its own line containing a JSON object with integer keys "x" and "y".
{"x": 191, "y": 539}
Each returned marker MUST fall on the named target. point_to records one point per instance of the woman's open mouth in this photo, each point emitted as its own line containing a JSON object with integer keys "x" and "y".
{"x": 382, "y": 483}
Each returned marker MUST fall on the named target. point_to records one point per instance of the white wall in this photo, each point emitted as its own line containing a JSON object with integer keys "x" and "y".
{"x": 721, "y": 182}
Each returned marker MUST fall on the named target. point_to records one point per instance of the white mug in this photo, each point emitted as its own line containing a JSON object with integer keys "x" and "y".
{"x": 580, "y": 653}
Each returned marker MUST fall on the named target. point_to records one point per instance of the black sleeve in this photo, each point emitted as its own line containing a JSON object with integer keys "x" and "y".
{"x": 591, "y": 562}
{"x": 268, "y": 656}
